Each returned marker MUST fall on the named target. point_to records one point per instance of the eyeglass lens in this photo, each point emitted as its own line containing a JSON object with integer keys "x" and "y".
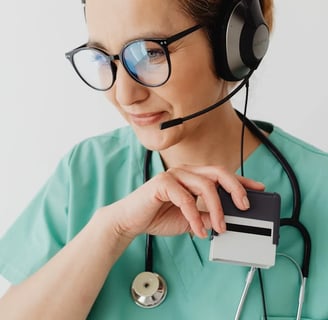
{"x": 146, "y": 61}
{"x": 94, "y": 68}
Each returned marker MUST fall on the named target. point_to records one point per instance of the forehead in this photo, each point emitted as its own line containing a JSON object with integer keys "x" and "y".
{"x": 114, "y": 22}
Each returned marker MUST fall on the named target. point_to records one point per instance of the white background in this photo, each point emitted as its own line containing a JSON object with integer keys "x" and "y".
{"x": 45, "y": 109}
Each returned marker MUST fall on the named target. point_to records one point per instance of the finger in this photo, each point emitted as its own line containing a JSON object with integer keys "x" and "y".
{"x": 199, "y": 185}
{"x": 251, "y": 184}
{"x": 232, "y": 183}
{"x": 172, "y": 190}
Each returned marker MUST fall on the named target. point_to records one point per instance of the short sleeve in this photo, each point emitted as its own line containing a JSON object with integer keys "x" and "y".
{"x": 96, "y": 172}
{"x": 39, "y": 232}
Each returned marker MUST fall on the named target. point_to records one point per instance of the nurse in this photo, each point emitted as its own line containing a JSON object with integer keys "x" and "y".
{"x": 78, "y": 246}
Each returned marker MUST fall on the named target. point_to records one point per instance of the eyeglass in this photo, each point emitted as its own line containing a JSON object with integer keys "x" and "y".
{"x": 147, "y": 61}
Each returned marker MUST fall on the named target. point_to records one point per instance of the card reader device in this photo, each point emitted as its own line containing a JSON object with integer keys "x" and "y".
{"x": 252, "y": 235}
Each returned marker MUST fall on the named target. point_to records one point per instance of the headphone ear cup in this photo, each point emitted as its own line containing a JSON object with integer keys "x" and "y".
{"x": 254, "y": 39}
{"x": 239, "y": 40}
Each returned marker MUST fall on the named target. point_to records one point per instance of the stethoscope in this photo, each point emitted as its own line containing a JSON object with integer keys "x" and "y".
{"x": 149, "y": 289}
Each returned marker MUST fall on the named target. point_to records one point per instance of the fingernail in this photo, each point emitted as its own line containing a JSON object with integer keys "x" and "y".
{"x": 246, "y": 202}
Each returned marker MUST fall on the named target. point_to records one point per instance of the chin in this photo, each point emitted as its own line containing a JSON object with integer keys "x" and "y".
{"x": 154, "y": 145}
{"x": 155, "y": 140}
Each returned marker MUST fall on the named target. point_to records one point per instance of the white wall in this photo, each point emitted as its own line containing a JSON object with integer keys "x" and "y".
{"x": 45, "y": 109}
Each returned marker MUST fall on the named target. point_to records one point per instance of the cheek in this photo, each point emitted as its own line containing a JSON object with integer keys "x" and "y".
{"x": 194, "y": 82}
{"x": 111, "y": 98}
{"x": 113, "y": 103}
{"x": 194, "y": 67}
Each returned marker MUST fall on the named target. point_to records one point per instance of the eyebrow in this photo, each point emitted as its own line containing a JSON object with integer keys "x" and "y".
{"x": 146, "y": 36}
{"x": 95, "y": 44}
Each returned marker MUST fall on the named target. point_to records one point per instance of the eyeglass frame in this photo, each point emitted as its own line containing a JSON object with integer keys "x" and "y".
{"x": 163, "y": 42}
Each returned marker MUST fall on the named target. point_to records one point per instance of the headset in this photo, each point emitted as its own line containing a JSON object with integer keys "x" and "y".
{"x": 239, "y": 38}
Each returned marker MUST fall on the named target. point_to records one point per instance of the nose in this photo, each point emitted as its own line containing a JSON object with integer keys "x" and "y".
{"x": 127, "y": 90}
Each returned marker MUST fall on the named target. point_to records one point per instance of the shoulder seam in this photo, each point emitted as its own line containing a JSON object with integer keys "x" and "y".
{"x": 306, "y": 146}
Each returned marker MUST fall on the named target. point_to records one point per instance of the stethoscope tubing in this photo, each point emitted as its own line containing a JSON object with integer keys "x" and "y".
{"x": 249, "y": 279}
{"x": 149, "y": 237}
{"x": 293, "y": 221}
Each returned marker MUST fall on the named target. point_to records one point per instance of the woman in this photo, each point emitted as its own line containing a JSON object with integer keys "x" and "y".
{"x": 77, "y": 248}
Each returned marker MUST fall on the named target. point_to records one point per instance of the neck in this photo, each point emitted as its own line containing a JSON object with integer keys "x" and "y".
{"x": 216, "y": 141}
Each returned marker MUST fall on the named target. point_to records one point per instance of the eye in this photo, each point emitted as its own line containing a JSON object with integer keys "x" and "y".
{"x": 98, "y": 57}
{"x": 144, "y": 54}
{"x": 155, "y": 53}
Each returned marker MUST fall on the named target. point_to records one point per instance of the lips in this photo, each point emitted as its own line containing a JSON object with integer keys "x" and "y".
{"x": 146, "y": 119}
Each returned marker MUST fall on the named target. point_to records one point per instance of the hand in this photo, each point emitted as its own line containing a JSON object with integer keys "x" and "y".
{"x": 167, "y": 204}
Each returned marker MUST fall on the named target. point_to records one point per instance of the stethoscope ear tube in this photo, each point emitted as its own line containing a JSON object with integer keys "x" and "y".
{"x": 293, "y": 221}
{"x": 249, "y": 280}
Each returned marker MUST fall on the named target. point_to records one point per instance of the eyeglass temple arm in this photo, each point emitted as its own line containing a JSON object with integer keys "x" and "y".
{"x": 83, "y": 5}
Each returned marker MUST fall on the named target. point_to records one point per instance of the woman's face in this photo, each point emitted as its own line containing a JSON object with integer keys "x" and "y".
{"x": 191, "y": 86}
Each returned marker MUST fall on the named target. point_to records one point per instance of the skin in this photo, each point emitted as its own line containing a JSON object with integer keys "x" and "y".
{"x": 182, "y": 199}
{"x": 217, "y": 131}
{"x": 215, "y": 136}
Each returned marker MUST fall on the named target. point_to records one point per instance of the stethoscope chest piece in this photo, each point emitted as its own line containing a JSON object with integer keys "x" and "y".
{"x": 148, "y": 289}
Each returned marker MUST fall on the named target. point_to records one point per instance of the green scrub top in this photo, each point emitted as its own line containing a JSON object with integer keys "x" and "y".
{"x": 106, "y": 168}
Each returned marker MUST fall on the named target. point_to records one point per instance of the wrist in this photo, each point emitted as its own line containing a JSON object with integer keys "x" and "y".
{"x": 107, "y": 220}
